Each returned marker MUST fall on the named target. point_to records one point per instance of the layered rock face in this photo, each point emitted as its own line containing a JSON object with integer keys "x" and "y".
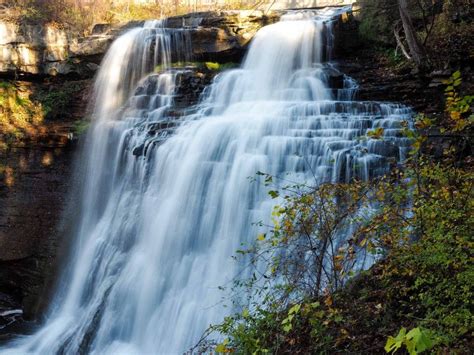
{"x": 222, "y": 36}
{"x": 35, "y": 176}
{"x": 31, "y": 206}
{"x": 51, "y": 50}
{"x": 48, "y": 49}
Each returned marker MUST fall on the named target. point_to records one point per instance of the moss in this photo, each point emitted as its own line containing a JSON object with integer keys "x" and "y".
{"x": 56, "y": 101}
{"x": 376, "y": 21}
{"x": 25, "y": 107}
{"x": 212, "y": 66}
{"x": 81, "y": 127}
{"x": 220, "y": 66}
{"x": 19, "y": 113}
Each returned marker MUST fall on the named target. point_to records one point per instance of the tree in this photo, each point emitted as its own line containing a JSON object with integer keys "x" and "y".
{"x": 417, "y": 50}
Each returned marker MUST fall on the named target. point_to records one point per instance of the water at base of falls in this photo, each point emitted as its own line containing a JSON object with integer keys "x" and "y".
{"x": 167, "y": 200}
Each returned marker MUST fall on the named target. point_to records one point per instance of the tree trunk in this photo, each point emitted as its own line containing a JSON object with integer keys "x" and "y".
{"x": 417, "y": 50}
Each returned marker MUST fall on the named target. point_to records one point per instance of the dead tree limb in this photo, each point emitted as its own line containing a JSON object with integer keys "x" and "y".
{"x": 396, "y": 32}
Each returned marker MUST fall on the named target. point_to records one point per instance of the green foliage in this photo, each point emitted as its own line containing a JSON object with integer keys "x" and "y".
{"x": 25, "y": 106}
{"x": 287, "y": 322}
{"x": 377, "y": 18}
{"x": 19, "y": 113}
{"x": 376, "y": 133}
{"x": 56, "y": 102}
{"x": 458, "y": 107}
{"x": 81, "y": 127}
{"x": 441, "y": 221}
{"x": 416, "y": 341}
{"x": 220, "y": 66}
{"x": 212, "y": 65}
{"x": 443, "y": 217}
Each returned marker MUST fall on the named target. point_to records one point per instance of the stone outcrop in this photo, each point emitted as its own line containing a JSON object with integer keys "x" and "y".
{"x": 35, "y": 176}
{"x": 222, "y": 36}
{"x": 48, "y": 50}
{"x": 52, "y": 50}
{"x": 32, "y": 204}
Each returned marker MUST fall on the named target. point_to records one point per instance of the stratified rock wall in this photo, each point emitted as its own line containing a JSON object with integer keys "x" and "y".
{"x": 222, "y": 35}
{"x": 51, "y": 50}
{"x": 48, "y": 49}
{"x": 31, "y": 206}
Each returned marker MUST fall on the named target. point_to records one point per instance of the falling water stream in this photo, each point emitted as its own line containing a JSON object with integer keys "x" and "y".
{"x": 167, "y": 201}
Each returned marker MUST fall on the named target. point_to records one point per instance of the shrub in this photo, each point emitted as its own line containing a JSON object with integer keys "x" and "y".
{"x": 422, "y": 229}
{"x": 18, "y": 113}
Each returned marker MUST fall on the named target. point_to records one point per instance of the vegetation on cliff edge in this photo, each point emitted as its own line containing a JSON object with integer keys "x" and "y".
{"x": 82, "y": 15}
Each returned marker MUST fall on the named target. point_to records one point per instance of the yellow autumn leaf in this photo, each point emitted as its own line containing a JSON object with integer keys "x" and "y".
{"x": 455, "y": 115}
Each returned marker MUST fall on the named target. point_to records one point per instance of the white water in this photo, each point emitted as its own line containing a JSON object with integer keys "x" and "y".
{"x": 160, "y": 218}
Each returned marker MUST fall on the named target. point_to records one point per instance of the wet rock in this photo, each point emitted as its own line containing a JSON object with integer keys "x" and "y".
{"x": 191, "y": 85}
{"x": 10, "y": 312}
{"x": 335, "y": 79}
{"x": 138, "y": 151}
{"x": 224, "y": 35}
{"x": 378, "y": 81}
{"x": 31, "y": 206}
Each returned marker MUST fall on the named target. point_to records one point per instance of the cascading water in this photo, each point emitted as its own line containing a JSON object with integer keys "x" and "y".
{"x": 167, "y": 201}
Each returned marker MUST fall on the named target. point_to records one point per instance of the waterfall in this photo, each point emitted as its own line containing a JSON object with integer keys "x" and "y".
{"x": 167, "y": 200}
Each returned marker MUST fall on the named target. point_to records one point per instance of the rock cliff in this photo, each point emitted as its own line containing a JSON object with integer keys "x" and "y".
{"x": 48, "y": 49}
{"x": 53, "y": 50}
